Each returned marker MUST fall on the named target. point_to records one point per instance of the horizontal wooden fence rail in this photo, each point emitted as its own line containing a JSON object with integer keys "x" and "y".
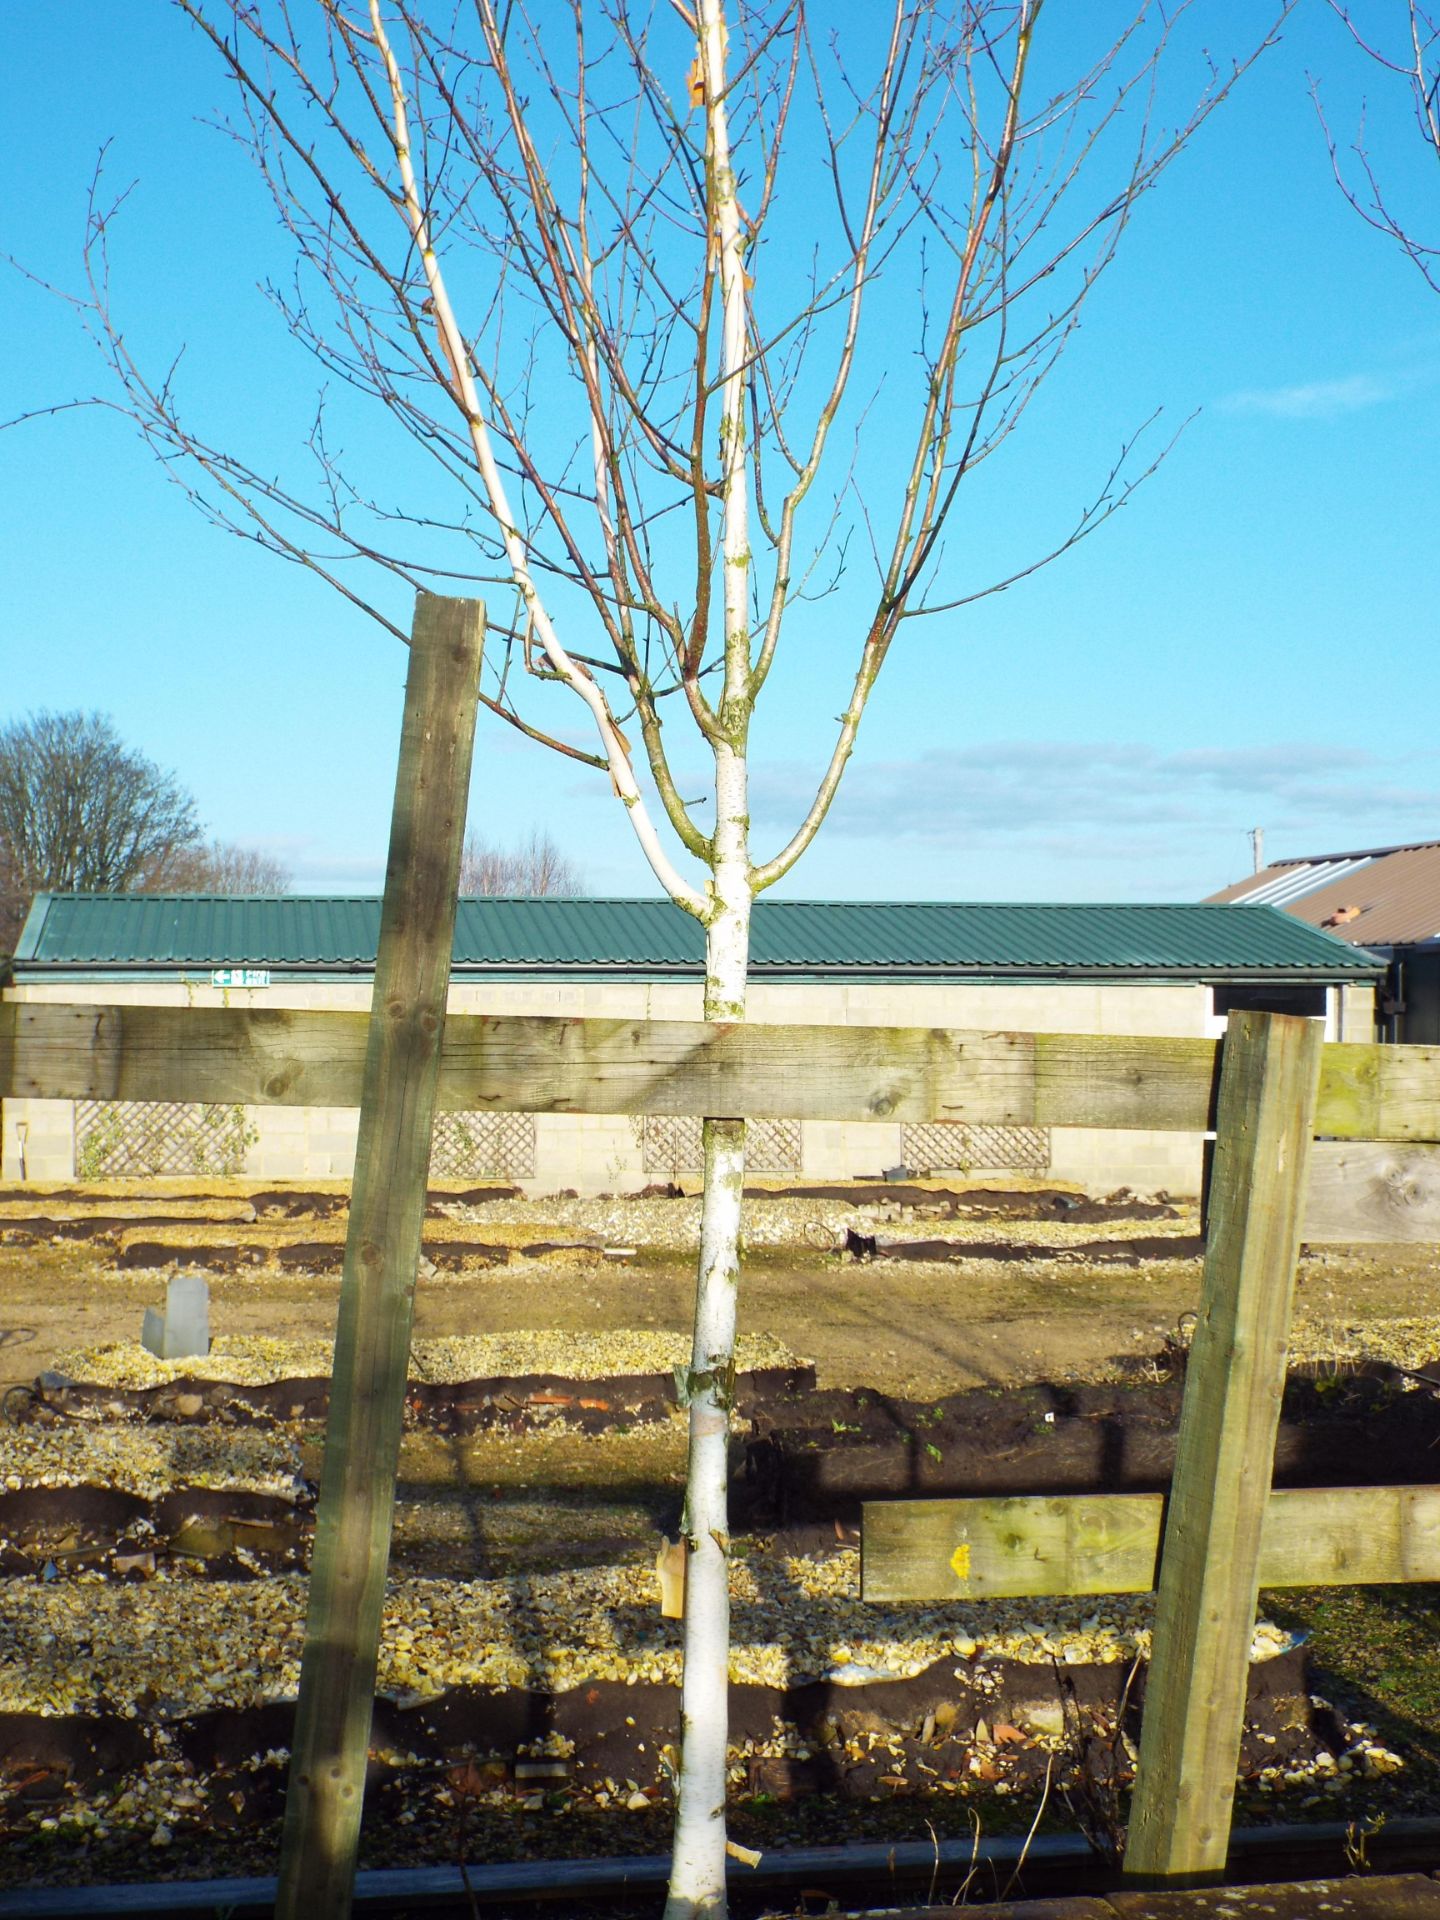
{"x": 1361, "y": 1193}
{"x": 511, "y": 1063}
{"x": 1037, "y": 1545}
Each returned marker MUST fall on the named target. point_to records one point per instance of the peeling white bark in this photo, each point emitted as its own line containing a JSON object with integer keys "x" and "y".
{"x": 697, "y": 1874}
{"x": 452, "y": 341}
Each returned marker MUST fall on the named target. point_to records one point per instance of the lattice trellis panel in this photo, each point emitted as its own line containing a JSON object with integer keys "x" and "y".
{"x": 118, "y": 1137}
{"x": 483, "y": 1146}
{"x": 672, "y": 1145}
{"x": 953, "y": 1143}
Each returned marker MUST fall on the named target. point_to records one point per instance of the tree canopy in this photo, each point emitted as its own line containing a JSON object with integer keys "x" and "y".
{"x": 82, "y": 812}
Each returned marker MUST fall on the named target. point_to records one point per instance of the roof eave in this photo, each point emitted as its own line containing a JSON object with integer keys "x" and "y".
{"x": 979, "y": 974}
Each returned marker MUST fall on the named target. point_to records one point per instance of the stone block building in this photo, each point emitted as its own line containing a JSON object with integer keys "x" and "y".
{"x": 1169, "y": 970}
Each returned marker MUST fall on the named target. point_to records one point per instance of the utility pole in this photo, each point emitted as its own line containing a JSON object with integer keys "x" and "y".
{"x": 1257, "y": 846}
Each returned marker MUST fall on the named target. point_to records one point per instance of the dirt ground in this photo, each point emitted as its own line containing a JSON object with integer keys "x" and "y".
{"x": 915, "y": 1329}
{"x": 1047, "y": 1289}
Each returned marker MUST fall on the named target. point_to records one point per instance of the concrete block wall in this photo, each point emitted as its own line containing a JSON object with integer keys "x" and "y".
{"x": 593, "y": 1153}
{"x": 847, "y": 1149}
{"x": 37, "y": 1139}
{"x": 1354, "y": 1018}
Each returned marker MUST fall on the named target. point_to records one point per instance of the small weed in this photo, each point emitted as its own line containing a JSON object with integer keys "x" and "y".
{"x": 1097, "y": 1768}
{"x": 1356, "y": 1843}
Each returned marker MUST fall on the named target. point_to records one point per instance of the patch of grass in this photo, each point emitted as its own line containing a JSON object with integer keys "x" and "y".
{"x": 1374, "y": 1656}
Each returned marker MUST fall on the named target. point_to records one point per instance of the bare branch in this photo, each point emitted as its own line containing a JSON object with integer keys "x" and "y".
{"x": 1416, "y": 65}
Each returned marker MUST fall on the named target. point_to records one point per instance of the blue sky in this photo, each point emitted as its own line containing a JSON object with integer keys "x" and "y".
{"x": 1252, "y": 641}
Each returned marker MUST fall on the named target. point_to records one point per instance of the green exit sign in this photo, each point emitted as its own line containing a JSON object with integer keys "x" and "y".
{"x": 240, "y": 977}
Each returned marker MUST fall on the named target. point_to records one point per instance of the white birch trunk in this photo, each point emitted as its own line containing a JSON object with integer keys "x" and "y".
{"x": 697, "y": 1875}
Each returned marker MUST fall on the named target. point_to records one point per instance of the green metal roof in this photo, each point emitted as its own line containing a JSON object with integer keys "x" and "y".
{"x": 124, "y": 935}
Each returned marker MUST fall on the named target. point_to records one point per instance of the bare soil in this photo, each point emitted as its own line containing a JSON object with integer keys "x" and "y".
{"x": 910, "y": 1328}
{"x": 1026, "y": 1289}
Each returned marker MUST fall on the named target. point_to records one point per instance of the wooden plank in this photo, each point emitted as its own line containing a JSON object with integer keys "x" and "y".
{"x": 382, "y": 1255}
{"x": 702, "y": 1067}
{"x": 258, "y": 1056}
{"x": 1351, "y": 1536}
{"x": 1110, "y": 1543}
{"x": 1409, "y": 1896}
{"x": 1075, "y": 1906}
{"x": 513, "y": 1063}
{"x": 1210, "y": 1563}
{"x": 1361, "y": 1193}
{"x": 1032, "y": 1545}
{"x": 1370, "y": 1092}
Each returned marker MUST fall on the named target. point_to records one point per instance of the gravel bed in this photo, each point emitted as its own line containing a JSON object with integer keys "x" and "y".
{"x": 172, "y": 1647}
{"x": 785, "y": 1221}
{"x": 149, "y": 1462}
{"x": 256, "y": 1361}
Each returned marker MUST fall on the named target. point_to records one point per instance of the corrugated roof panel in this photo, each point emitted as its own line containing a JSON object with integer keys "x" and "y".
{"x": 1395, "y": 889}
{"x": 208, "y": 930}
{"x": 1003, "y": 937}
{"x": 1294, "y": 881}
{"x": 558, "y": 936}
{"x": 561, "y": 933}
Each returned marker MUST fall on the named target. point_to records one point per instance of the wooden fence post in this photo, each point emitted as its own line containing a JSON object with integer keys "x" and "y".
{"x": 382, "y": 1253}
{"x": 1209, "y": 1563}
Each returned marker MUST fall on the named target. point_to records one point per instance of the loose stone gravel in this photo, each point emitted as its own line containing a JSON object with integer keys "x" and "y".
{"x": 174, "y": 1647}
{"x": 789, "y": 1221}
{"x": 149, "y": 1462}
{"x": 253, "y": 1361}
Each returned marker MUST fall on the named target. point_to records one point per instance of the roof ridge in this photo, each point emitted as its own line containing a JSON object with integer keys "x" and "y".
{"x": 568, "y": 900}
{"x": 1357, "y": 853}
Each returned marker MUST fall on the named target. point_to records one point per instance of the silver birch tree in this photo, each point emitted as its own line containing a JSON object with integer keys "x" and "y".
{"x": 629, "y": 280}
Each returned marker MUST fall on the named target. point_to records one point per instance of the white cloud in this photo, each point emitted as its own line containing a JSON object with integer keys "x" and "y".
{"x": 1111, "y": 799}
{"x": 1314, "y": 400}
{"x": 346, "y": 872}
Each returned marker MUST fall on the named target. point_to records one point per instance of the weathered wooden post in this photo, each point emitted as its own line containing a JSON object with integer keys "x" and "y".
{"x": 382, "y": 1254}
{"x": 1209, "y": 1564}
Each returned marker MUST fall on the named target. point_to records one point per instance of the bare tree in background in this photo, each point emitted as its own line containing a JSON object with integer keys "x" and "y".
{"x": 536, "y": 866}
{"x": 80, "y": 812}
{"x": 219, "y": 867}
{"x": 14, "y": 905}
{"x": 1402, "y": 37}
{"x": 689, "y": 315}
